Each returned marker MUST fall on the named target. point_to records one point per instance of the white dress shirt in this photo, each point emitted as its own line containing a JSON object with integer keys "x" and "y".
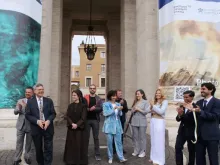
{"x": 208, "y": 99}
{"x": 116, "y": 111}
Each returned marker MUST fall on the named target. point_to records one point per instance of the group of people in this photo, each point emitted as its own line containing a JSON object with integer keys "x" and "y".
{"x": 84, "y": 114}
{"x": 201, "y": 132}
{"x": 36, "y": 115}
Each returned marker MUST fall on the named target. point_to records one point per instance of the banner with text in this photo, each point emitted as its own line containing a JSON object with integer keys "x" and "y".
{"x": 20, "y": 28}
{"x": 189, "y": 32}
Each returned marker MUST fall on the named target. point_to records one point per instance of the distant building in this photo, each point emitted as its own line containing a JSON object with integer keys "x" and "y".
{"x": 91, "y": 72}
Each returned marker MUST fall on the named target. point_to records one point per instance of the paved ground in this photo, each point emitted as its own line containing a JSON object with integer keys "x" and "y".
{"x": 59, "y": 142}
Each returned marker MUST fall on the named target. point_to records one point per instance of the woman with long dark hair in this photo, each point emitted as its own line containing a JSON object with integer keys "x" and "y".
{"x": 76, "y": 148}
{"x": 140, "y": 108}
{"x": 157, "y": 128}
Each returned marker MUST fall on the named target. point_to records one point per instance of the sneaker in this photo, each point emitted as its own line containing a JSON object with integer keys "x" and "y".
{"x": 142, "y": 155}
{"x": 123, "y": 160}
{"x": 110, "y": 161}
{"x": 134, "y": 154}
{"x": 97, "y": 157}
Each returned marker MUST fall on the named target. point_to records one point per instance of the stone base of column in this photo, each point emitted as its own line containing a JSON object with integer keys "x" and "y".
{"x": 7, "y": 129}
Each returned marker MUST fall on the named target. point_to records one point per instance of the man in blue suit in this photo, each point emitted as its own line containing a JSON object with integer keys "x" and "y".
{"x": 208, "y": 113}
{"x": 40, "y": 113}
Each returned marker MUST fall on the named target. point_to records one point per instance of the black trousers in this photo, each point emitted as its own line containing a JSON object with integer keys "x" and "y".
{"x": 94, "y": 124}
{"x": 212, "y": 148}
{"x": 181, "y": 139}
{"x": 122, "y": 136}
{"x": 44, "y": 147}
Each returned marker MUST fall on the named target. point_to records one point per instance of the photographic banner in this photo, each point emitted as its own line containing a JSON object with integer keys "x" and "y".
{"x": 189, "y": 32}
{"x": 20, "y": 29}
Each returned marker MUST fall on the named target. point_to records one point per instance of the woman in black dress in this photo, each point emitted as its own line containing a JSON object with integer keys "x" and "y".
{"x": 76, "y": 148}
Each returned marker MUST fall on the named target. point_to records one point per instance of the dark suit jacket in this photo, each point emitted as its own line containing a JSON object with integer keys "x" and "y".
{"x": 208, "y": 120}
{"x": 124, "y": 110}
{"x": 187, "y": 125}
{"x": 32, "y": 114}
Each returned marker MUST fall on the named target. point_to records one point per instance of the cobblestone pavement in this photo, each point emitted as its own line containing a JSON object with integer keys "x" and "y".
{"x": 6, "y": 157}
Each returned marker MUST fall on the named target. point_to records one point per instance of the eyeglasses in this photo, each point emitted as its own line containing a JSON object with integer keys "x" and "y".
{"x": 92, "y": 88}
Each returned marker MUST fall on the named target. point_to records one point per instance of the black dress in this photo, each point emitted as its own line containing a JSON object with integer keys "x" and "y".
{"x": 76, "y": 148}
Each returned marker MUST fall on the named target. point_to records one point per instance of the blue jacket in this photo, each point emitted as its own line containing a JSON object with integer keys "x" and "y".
{"x": 111, "y": 125}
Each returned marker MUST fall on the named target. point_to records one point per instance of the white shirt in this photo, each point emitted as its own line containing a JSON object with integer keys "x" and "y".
{"x": 116, "y": 111}
{"x": 208, "y": 100}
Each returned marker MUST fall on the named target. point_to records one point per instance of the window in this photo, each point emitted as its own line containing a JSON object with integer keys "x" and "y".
{"x": 102, "y": 55}
{"x": 102, "y": 82}
{"x": 77, "y": 73}
{"x": 88, "y": 82}
{"x": 88, "y": 67}
{"x": 102, "y": 67}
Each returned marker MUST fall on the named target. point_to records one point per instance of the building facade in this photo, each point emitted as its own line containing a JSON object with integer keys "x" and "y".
{"x": 91, "y": 72}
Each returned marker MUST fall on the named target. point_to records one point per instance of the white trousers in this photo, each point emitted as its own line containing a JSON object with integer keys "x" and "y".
{"x": 157, "y": 130}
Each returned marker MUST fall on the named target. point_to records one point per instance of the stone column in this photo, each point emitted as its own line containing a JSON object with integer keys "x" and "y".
{"x": 65, "y": 65}
{"x": 128, "y": 49}
{"x": 147, "y": 46}
{"x": 45, "y": 46}
{"x": 50, "y": 57}
{"x": 113, "y": 54}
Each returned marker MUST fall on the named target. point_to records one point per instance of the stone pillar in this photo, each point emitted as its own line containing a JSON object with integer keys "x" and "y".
{"x": 128, "y": 49}
{"x": 113, "y": 54}
{"x": 147, "y": 46}
{"x": 65, "y": 65}
{"x": 50, "y": 57}
{"x": 45, "y": 46}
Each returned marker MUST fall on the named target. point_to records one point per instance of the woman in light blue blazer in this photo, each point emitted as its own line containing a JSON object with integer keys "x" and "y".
{"x": 112, "y": 125}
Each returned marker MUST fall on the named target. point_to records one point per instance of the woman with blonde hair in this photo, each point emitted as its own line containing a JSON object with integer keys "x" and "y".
{"x": 157, "y": 128}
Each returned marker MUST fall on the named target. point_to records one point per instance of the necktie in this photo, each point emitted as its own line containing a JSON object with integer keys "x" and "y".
{"x": 41, "y": 109}
{"x": 204, "y": 104}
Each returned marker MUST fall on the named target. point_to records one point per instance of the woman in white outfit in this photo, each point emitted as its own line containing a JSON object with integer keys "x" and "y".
{"x": 157, "y": 128}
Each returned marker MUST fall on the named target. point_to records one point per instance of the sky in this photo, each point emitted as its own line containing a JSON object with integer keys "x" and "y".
{"x": 77, "y": 40}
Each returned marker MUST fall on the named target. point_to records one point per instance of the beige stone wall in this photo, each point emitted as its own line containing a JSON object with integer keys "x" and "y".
{"x": 50, "y": 52}
{"x": 147, "y": 46}
{"x": 113, "y": 53}
{"x": 128, "y": 49}
{"x": 65, "y": 66}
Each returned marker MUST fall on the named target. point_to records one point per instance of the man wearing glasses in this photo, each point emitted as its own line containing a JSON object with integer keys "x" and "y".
{"x": 93, "y": 117}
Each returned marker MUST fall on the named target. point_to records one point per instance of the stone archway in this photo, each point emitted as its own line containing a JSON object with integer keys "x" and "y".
{"x": 130, "y": 29}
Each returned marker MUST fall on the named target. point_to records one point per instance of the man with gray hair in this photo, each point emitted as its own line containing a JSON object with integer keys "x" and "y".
{"x": 41, "y": 113}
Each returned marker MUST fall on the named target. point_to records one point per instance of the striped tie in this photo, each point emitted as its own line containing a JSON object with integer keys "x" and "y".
{"x": 41, "y": 110}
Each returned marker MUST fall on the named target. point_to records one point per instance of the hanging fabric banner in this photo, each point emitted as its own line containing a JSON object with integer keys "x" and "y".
{"x": 189, "y": 32}
{"x": 20, "y": 29}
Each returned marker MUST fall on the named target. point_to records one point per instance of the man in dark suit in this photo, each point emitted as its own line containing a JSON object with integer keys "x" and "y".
{"x": 40, "y": 112}
{"x": 208, "y": 112}
{"x": 186, "y": 130}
